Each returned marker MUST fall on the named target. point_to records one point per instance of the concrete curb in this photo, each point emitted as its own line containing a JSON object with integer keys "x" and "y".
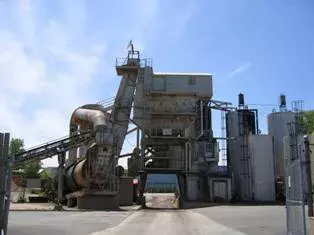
{"x": 136, "y": 208}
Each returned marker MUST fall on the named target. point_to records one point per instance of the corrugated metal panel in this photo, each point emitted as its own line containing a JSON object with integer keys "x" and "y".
{"x": 263, "y": 167}
{"x": 277, "y": 127}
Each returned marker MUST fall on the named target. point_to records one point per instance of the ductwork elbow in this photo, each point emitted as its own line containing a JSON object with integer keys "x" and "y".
{"x": 96, "y": 117}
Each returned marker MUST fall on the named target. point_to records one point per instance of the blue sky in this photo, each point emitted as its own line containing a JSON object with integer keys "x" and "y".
{"x": 56, "y": 55}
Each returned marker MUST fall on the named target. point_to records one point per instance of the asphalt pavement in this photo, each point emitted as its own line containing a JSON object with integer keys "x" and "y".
{"x": 228, "y": 219}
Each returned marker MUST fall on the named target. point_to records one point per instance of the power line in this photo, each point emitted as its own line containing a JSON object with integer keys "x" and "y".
{"x": 271, "y": 105}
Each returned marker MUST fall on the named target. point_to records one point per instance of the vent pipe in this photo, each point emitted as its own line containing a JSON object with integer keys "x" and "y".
{"x": 241, "y": 100}
{"x": 283, "y": 103}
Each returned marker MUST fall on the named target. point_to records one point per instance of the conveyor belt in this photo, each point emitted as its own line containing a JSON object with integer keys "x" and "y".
{"x": 50, "y": 149}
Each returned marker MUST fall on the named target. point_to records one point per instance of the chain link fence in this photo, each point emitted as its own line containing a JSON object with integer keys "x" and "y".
{"x": 295, "y": 182}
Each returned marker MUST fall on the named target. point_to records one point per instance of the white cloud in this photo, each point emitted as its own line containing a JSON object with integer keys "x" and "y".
{"x": 48, "y": 68}
{"x": 241, "y": 69}
{"x": 40, "y": 88}
{"x": 18, "y": 72}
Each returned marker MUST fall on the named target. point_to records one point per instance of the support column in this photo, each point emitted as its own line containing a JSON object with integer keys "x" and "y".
{"x": 5, "y": 182}
{"x": 61, "y": 161}
{"x": 143, "y": 178}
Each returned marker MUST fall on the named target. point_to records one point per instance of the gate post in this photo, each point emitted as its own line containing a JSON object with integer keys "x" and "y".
{"x": 307, "y": 153}
{"x": 5, "y": 181}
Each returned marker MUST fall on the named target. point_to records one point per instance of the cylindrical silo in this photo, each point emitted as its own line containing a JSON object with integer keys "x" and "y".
{"x": 278, "y": 128}
{"x": 240, "y": 124}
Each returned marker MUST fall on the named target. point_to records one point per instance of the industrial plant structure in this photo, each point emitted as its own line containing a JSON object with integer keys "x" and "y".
{"x": 250, "y": 156}
{"x": 172, "y": 113}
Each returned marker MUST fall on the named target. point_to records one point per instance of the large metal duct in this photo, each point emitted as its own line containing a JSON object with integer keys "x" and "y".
{"x": 96, "y": 117}
{"x": 75, "y": 176}
{"x": 84, "y": 118}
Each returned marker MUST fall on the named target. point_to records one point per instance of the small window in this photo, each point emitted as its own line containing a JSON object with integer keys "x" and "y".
{"x": 191, "y": 80}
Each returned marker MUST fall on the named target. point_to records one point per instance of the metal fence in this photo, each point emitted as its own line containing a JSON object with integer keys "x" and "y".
{"x": 5, "y": 182}
{"x": 295, "y": 183}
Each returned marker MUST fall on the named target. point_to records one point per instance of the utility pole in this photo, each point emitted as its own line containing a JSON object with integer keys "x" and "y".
{"x": 309, "y": 175}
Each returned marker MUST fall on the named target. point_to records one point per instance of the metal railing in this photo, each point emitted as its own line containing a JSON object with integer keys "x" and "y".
{"x": 107, "y": 103}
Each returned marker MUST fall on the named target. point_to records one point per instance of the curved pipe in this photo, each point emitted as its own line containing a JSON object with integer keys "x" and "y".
{"x": 81, "y": 116}
{"x": 96, "y": 117}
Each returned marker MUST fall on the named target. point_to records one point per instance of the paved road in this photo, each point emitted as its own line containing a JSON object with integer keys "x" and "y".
{"x": 259, "y": 220}
{"x": 237, "y": 220}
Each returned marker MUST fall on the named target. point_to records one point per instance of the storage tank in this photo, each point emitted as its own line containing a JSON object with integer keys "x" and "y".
{"x": 240, "y": 122}
{"x": 278, "y": 128}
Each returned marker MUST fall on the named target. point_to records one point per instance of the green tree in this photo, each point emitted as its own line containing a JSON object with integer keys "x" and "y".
{"x": 308, "y": 120}
{"x": 48, "y": 185}
{"x": 16, "y": 146}
{"x": 30, "y": 169}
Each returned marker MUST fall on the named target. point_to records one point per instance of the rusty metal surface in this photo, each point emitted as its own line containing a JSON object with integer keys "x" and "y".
{"x": 79, "y": 174}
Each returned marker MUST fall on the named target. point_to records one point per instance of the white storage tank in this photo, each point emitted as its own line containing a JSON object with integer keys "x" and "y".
{"x": 278, "y": 128}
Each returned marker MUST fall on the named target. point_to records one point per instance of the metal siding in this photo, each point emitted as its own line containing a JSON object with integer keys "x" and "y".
{"x": 192, "y": 191}
{"x": 277, "y": 127}
{"x": 263, "y": 167}
{"x": 181, "y": 84}
{"x": 233, "y": 124}
{"x": 220, "y": 187}
{"x": 158, "y": 84}
{"x": 220, "y": 190}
